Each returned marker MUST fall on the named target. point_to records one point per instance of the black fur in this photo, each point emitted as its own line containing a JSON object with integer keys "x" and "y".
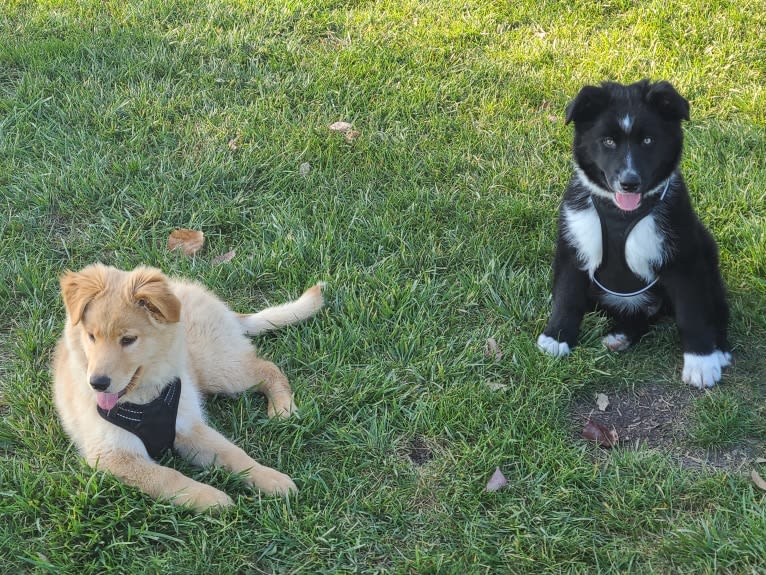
{"x": 628, "y": 140}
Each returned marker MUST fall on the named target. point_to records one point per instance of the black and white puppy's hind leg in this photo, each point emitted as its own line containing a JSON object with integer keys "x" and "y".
{"x": 626, "y": 329}
{"x": 570, "y": 303}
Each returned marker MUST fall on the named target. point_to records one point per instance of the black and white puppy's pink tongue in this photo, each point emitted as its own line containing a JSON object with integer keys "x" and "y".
{"x": 106, "y": 401}
{"x": 627, "y": 202}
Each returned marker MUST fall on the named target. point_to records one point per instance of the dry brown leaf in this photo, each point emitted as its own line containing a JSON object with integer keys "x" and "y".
{"x": 599, "y": 433}
{"x": 758, "y": 480}
{"x": 495, "y": 386}
{"x": 190, "y": 241}
{"x": 304, "y": 169}
{"x": 341, "y": 127}
{"x": 496, "y": 482}
{"x": 492, "y": 349}
{"x": 234, "y": 144}
{"x": 223, "y": 258}
{"x": 602, "y": 401}
{"x": 351, "y": 135}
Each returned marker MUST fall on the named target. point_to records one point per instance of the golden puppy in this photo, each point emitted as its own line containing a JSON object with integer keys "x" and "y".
{"x": 138, "y": 351}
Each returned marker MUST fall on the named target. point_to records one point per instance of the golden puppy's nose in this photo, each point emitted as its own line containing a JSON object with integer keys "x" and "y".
{"x": 100, "y": 382}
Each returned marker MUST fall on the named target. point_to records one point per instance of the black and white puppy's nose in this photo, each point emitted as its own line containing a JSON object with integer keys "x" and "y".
{"x": 100, "y": 382}
{"x": 629, "y": 181}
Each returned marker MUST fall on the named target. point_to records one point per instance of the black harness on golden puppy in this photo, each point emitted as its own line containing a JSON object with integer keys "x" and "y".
{"x": 154, "y": 423}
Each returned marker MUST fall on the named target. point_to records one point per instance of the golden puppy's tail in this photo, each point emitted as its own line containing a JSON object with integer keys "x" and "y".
{"x": 286, "y": 314}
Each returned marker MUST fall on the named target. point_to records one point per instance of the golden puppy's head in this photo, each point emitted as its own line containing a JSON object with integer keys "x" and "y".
{"x": 122, "y": 322}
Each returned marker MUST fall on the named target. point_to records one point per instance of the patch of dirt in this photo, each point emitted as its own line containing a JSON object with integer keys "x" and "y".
{"x": 419, "y": 452}
{"x": 656, "y": 416}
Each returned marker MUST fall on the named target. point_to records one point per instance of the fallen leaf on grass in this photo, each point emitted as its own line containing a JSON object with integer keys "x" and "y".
{"x": 599, "y": 433}
{"x": 223, "y": 258}
{"x": 341, "y": 127}
{"x": 234, "y": 144}
{"x": 496, "y": 482}
{"x": 492, "y": 349}
{"x": 758, "y": 480}
{"x": 190, "y": 241}
{"x": 495, "y": 386}
{"x": 351, "y": 135}
{"x": 602, "y": 401}
{"x": 304, "y": 169}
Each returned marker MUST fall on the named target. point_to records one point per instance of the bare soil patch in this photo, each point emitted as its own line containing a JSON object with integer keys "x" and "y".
{"x": 657, "y": 416}
{"x": 419, "y": 452}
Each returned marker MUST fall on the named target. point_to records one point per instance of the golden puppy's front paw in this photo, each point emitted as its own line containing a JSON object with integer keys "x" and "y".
{"x": 283, "y": 408}
{"x": 203, "y": 498}
{"x": 272, "y": 482}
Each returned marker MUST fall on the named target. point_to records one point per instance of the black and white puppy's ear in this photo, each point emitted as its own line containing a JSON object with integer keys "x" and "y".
{"x": 588, "y": 104}
{"x": 663, "y": 97}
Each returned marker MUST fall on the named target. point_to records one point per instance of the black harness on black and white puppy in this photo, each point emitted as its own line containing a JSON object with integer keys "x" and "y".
{"x": 154, "y": 423}
{"x": 615, "y": 270}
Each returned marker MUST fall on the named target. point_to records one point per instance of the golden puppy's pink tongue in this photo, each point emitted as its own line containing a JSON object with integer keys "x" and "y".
{"x": 106, "y": 400}
{"x": 627, "y": 202}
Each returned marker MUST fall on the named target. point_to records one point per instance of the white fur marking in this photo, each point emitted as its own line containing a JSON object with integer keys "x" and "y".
{"x": 551, "y": 346}
{"x": 632, "y": 304}
{"x": 629, "y": 162}
{"x": 703, "y": 371}
{"x": 626, "y": 123}
{"x": 616, "y": 342}
{"x": 589, "y": 185}
{"x": 644, "y": 249}
{"x": 582, "y": 231}
{"x": 724, "y": 358}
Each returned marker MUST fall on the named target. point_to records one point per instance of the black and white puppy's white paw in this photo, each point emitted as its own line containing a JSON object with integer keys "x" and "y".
{"x": 552, "y": 347}
{"x": 616, "y": 342}
{"x": 703, "y": 371}
{"x": 724, "y": 357}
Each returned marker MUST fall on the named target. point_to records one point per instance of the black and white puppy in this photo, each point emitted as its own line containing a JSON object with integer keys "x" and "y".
{"x": 629, "y": 241}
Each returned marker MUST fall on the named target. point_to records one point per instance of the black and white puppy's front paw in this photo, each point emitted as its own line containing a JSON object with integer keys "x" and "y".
{"x": 552, "y": 347}
{"x": 703, "y": 371}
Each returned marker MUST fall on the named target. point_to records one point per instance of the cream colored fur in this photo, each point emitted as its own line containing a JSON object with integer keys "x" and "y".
{"x": 181, "y": 330}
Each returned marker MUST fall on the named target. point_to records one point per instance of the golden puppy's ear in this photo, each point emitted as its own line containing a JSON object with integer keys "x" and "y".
{"x": 149, "y": 288}
{"x": 78, "y": 289}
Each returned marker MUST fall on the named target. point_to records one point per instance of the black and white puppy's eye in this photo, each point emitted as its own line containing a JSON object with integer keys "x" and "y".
{"x": 91, "y": 337}
{"x": 647, "y": 141}
{"x": 126, "y": 340}
{"x": 609, "y": 142}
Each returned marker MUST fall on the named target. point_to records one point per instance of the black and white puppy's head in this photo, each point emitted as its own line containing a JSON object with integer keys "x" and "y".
{"x": 628, "y": 138}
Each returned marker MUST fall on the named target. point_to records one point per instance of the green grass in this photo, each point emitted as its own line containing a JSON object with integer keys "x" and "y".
{"x": 434, "y": 231}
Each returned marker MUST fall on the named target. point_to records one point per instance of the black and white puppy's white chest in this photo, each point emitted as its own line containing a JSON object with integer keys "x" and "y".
{"x": 640, "y": 253}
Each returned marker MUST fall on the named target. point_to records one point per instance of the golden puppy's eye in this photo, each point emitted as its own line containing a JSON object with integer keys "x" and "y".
{"x": 91, "y": 337}
{"x": 126, "y": 340}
